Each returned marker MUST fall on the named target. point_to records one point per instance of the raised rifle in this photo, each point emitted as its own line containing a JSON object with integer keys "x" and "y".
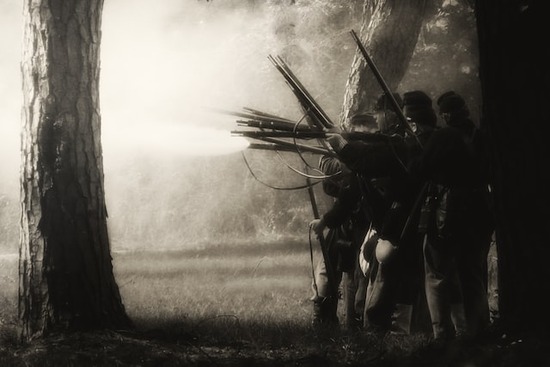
{"x": 402, "y": 119}
{"x": 319, "y": 118}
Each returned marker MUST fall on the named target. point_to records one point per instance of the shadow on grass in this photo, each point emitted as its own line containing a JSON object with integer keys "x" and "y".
{"x": 227, "y": 341}
{"x": 220, "y": 341}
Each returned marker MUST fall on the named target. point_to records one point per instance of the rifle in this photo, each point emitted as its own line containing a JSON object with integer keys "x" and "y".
{"x": 289, "y": 148}
{"x": 258, "y": 116}
{"x": 306, "y": 135}
{"x": 280, "y": 134}
{"x": 273, "y": 125}
{"x": 319, "y": 118}
{"x": 385, "y": 87}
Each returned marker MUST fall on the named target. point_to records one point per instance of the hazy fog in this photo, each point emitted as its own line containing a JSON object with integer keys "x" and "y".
{"x": 173, "y": 174}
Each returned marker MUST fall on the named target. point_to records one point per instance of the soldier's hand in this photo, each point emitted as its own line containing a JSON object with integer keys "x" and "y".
{"x": 336, "y": 141}
{"x": 334, "y": 130}
{"x": 318, "y": 226}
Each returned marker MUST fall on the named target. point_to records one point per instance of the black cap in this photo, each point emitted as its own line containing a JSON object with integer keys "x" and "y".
{"x": 451, "y": 102}
{"x": 419, "y": 108}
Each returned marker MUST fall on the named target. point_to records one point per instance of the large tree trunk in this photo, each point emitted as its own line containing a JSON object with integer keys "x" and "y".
{"x": 515, "y": 89}
{"x": 66, "y": 274}
{"x": 389, "y": 32}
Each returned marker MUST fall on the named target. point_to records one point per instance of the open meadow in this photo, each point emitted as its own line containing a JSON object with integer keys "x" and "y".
{"x": 261, "y": 285}
{"x": 232, "y": 305}
{"x": 208, "y": 304}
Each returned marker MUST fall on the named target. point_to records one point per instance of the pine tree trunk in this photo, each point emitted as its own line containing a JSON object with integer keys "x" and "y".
{"x": 389, "y": 33}
{"x": 514, "y": 77}
{"x": 66, "y": 274}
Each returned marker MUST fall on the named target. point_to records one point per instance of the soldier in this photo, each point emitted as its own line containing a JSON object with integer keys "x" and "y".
{"x": 391, "y": 195}
{"x": 347, "y": 223}
{"x": 456, "y": 219}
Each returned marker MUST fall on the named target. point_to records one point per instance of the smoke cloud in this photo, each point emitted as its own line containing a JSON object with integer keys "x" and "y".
{"x": 174, "y": 176}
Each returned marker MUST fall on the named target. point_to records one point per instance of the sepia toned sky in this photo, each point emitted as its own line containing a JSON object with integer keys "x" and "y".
{"x": 163, "y": 69}
{"x": 166, "y": 67}
{"x": 10, "y": 89}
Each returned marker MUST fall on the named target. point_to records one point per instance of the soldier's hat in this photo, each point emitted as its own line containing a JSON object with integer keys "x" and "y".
{"x": 452, "y": 102}
{"x": 419, "y": 108}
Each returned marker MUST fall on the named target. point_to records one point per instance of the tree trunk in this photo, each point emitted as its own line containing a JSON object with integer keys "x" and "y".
{"x": 389, "y": 32}
{"x": 66, "y": 274}
{"x": 514, "y": 78}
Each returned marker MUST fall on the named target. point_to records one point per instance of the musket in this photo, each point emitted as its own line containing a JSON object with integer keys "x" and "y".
{"x": 280, "y": 134}
{"x": 308, "y": 103}
{"x": 296, "y": 147}
{"x": 273, "y": 125}
{"x": 261, "y": 113}
{"x": 288, "y": 148}
{"x": 385, "y": 87}
{"x": 306, "y": 135}
{"x": 257, "y": 115}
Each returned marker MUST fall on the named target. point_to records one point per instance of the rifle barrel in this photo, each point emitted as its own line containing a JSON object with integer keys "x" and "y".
{"x": 261, "y": 113}
{"x": 309, "y": 104}
{"x": 281, "y": 134}
{"x": 286, "y": 148}
{"x": 257, "y": 116}
{"x": 384, "y": 86}
{"x": 275, "y": 125}
{"x": 350, "y": 136}
{"x": 323, "y": 117}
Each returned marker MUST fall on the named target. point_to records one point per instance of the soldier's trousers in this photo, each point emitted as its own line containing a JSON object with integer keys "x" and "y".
{"x": 456, "y": 279}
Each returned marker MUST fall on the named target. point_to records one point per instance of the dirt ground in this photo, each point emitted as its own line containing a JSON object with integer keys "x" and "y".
{"x": 160, "y": 348}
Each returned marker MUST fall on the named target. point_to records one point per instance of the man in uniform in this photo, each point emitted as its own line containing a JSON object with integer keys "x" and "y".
{"x": 347, "y": 223}
{"x": 391, "y": 194}
{"x": 457, "y": 222}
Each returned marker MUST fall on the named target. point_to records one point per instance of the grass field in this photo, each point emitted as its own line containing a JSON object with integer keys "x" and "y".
{"x": 232, "y": 286}
{"x": 233, "y": 305}
{"x": 229, "y": 291}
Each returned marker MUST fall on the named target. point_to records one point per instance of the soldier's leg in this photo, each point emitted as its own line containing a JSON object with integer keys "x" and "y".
{"x": 380, "y": 300}
{"x": 473, "y": 276}
{"x": 436, "y": 265}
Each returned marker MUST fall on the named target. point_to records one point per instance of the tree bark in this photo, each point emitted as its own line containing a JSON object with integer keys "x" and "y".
{"x": 514, "y": 78}
{"x": 389, "y": 32}
{"x": 66, "y": 274}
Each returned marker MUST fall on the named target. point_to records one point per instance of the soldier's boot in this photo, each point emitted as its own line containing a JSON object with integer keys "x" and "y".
{"x": 402, "y": 319}
{"x": 324, "y": 311}
{"x": 458, "y": 317}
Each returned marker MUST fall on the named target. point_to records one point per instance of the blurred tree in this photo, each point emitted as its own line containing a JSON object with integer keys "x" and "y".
{"x": 514, "y": 77}
{"x": 66, "y": 275}
{"x": 389, "y": 32}
{"x": 446, "y": 55}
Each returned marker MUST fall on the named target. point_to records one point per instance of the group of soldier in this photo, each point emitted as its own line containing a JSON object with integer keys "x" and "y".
{"x": 409, "y": 231}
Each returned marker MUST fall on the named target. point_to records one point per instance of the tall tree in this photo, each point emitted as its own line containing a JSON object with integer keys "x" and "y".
{"x": 514, "y": 79}
{"x": 389, "y": 32}
{"x": 66, "y": 274}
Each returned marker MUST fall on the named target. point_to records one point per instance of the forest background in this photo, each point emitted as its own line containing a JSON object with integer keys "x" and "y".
{"x": 174, "y": 177}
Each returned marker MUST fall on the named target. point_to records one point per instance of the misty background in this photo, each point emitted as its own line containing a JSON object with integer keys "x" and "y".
{"x": 174, "y": 177}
